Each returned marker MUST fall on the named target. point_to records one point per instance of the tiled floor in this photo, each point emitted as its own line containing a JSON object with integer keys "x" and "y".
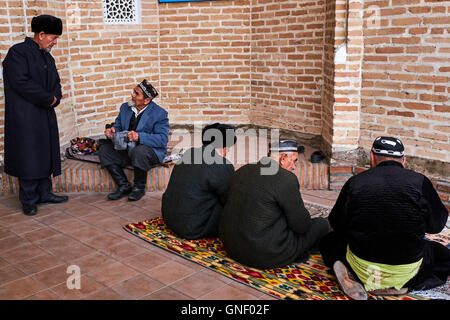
{"x": 35, "y": 253}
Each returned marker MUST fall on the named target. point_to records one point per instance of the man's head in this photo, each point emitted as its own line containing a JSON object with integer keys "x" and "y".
{"x": 387, "y": 148}
{"x": 143, "y": 94}
{"x": 285, "y": 152}
{"x": 47, "y": 30}
{"x": 220, "y": 136}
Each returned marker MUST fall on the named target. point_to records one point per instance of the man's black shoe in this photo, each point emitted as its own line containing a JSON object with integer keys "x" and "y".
{"x": 119, "y": 193}
{"x": 53, "y": 198}
{"x": 136, "y": 194}
{"x": 29, "y": 210}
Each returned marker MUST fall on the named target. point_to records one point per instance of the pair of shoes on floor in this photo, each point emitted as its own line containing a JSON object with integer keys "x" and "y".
{"x": 31, "y": 210}
{"x": 348, "y": 284}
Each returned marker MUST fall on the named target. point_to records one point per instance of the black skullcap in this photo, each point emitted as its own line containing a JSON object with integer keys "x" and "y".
{"x": 388, "y": 147}
{"x": 148, "y": 90}
{"x": 284, "y": 146}
{"x": 47, "y": 23}
{"x": 219, "y": 135}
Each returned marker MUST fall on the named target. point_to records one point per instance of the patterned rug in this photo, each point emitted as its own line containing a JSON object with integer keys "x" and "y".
{"x": 310, "y": 280}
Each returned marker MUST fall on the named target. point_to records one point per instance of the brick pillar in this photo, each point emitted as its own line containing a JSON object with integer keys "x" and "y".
{"x": 343, "y": 55}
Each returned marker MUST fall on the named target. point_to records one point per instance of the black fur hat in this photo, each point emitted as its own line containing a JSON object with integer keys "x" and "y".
{"x": 47, "y": 23}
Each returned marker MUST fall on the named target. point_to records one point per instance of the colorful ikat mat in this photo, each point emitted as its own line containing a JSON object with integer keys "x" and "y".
{"x": 310, "y": 280}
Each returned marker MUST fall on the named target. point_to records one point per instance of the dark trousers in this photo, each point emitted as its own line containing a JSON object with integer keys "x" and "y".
{"x": 33, "y": 191}
{"x": 309, "y": 241}
{"x": 141, "y": 156}
{"x": 433, "y": 272}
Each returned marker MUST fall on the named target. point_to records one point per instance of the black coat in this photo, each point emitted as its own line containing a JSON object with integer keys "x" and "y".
{"x": 385, "y": 212}
{"x": 31, "y": 82}
{"x": 196, "y": 193}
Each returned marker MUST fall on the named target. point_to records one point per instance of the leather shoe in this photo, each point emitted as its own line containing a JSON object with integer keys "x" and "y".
{"x": 53, "y": 198}
{"x": 351, "y": 287}
{"x": 136, "y": 194}
{"x": 119, "y": 193}
{"x": 29, "y": 210}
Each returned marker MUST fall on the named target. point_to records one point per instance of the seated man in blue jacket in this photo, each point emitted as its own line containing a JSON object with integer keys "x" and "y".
{"x": 144, "y": 127}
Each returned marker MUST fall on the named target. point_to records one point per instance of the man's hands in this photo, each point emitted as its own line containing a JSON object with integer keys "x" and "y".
{"x": 109, "y": 133}
{"x": 133, "y": 136}
{"x": 54, "y": 101}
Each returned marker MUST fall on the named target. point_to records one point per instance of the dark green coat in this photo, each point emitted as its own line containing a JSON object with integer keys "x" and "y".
{"x": 196, "y": 193}
{"x": 264, "y": 223}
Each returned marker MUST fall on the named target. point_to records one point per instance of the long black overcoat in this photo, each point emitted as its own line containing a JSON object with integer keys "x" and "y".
{"x": 31, "y": 82}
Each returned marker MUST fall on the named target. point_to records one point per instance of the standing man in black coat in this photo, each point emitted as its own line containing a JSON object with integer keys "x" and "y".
{"x": 32, "y": 91}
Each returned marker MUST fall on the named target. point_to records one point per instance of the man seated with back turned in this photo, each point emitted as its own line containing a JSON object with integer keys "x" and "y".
{"x": 380, "y": 219}
{"x": 140, "y": 134}
{"x": 264, "y": 223}
{"x": 197, "y": 189}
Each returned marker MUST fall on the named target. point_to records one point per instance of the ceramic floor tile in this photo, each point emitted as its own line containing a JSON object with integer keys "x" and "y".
{"x": 44, "y": 295}
{"x": 82, "y": 210}
{"x": 14, "y": 219}
{"x": 197, "y": 285}
{"x": 93, "y": 262}
{"x": 57, "y": 242}
{"x": 105, "y": 294}
{"x": 20, "y": 289}
{"x": 12, "y": 242}
{"x": 114, "y": 273}
{"x": 125, "y": 250}
{"x": 72, "y": 252}
{"x": 5, "y": 233}
{"x": 9, "y": 273}
{"x": 137, "y": 287}
{"x": 39, "y": 264}
{"x": 167, "y": 293}
{"x": 145, "y": 261}
{"x": 85, "y": 233}
{"x": 170, "y": 272}
{"x": 22, "y": 253}
{"x": 53, "y": 276}
{"x": 25, "y": 227}
{"x": 54, "y": 218}
{"x": 104, "y": 241}
{"x": 40, "y": 234}
{"x": 228, "y": 293}
{"x": 69, "y": 225}
{"x": 88, "y": 286}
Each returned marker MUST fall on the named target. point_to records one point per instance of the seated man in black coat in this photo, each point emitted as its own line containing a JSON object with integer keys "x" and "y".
{"x": 197, "y": 189}
{"x": 264, "y": 223}
{"x": 380, "y": 219}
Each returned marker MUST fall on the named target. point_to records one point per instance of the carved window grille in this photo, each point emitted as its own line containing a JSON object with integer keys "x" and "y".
{"x": 121, "y": 11}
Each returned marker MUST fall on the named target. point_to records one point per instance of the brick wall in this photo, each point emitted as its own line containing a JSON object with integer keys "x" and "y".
{"x": 106, "y": 62}
{"x": 275, "y": 63}
{"x": 328, "y": 76}
{"x": 205, "y": 61}
{"x": 287, "y": 53}
{"x": 405, "y": 77}
{"x": 15, "y": 20}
